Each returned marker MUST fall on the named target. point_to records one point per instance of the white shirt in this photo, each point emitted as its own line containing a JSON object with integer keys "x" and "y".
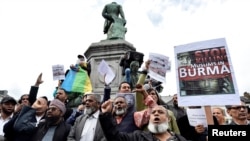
{"x": 38, "y": 118}
{"x": 3, "y": 122}
{"x": 88, "y": 131}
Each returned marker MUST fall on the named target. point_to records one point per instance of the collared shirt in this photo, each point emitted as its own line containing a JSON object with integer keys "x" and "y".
{"x": 38, "y": 118}
{"x": 88, "y": 131}
{"x": 3, "y": 122}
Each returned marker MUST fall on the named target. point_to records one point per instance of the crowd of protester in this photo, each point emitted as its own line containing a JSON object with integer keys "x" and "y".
{"x": 147, "y": 117}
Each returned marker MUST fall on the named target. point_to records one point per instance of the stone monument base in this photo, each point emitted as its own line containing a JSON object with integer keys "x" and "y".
{"x": 111, "y": 51}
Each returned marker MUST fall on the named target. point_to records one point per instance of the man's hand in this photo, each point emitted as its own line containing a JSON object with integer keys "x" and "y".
{"x": 18, "y": 108}
{"x": 199, "y": 128}
{"x": 107, "y": 106}
{"x": 140, "y": 88}
{"x": 147, "y": 63}
{"x": 80, "y": 108}
{"x": 227, "y": 86}
{"x": 39, "y": 80}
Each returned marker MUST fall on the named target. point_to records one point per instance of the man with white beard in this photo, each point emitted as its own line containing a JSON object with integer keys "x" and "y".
{"x": 123, "y": 115}
{"x": 124, "y": 112}
{"x": 87, "y": 127}
{"x": 157, "y": 128}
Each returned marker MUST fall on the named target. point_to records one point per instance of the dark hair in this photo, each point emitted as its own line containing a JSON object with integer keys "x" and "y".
{"x": 160, "y": 100}
{"x": 20, "y": 100}
{"x": 44, "y": 97}
{"x": 123, "y": 83}
{"x": 60, "y": 88}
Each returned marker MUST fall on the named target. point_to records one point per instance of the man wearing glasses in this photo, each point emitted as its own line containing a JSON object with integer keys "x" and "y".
{"x": 54, "y": 127}
{"x": 238, "y": 113}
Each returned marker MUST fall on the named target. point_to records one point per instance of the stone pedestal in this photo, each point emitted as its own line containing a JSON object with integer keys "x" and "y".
{"x": 111, "y": 51}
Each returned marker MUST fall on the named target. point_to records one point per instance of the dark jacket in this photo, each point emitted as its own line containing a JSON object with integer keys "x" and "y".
{"x": 61, "y": 132}
{"x": 124, "y": 63}
{"x": 71, "y": 120}
{"x": 76, "y": 130}
{"x": 21, "y": 126}
{"x": 33, "y": 94}
{"x": 178, "y": 111}
{"x": 112, "y": 134}
{"x": 189, "y": 132}
{"x": 127, "y": 124}
{"x": 23, "y": 123}
{"x": 68, "y": 112}
{"x": 107, "y": 92}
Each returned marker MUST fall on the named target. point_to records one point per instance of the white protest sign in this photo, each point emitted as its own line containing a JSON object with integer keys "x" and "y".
{"x": 104, "y": 69}
{"x": 58, "y": 72}
{"x": 205, "y": 74}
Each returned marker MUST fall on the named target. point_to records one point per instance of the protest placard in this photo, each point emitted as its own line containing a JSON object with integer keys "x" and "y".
{"x": 205, "y": 74}
{"x": 58, "y": 72}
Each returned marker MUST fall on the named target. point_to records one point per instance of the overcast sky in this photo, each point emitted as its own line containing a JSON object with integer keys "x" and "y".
{"x": 36, "y": 34}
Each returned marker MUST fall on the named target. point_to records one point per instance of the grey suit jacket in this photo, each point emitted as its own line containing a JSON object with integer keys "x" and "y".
{"x": 76, "y": 130}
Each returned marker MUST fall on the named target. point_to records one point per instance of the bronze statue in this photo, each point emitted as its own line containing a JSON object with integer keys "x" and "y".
{"x": 134, "y": 76}
{"x": 115, "y": 22}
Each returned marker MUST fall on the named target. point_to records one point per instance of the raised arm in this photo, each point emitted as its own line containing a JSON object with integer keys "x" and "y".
{"x": 34, "y": 89}
{"x": 107, "y": 92}
{"x": 108, "y": 125}
{"x": 139, "y": 97}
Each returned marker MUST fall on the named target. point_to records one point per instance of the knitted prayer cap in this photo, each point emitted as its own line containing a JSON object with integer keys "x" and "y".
{"x": 59, "y": 105}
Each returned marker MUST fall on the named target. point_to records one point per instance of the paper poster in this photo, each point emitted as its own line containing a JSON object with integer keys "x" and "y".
{"x": 197, "y": 116}
{"x": 104, "y": 69}
{"x": 58, "y": 72}
{"x": 159, "y": 65}
{"x": 205, "y": 74}
{"x": 130, "y": 98}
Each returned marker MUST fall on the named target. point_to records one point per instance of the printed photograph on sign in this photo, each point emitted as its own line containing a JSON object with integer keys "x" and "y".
{"x": 130, "y": 98}
{"x": 204, "y": 69}
{"x": 58, "y": 72}
{"x": 159, "y": 65}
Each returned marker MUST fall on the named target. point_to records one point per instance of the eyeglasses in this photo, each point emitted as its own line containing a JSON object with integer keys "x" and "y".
{"x": 239, "y": 107}
{"x": 25, "y": 98}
